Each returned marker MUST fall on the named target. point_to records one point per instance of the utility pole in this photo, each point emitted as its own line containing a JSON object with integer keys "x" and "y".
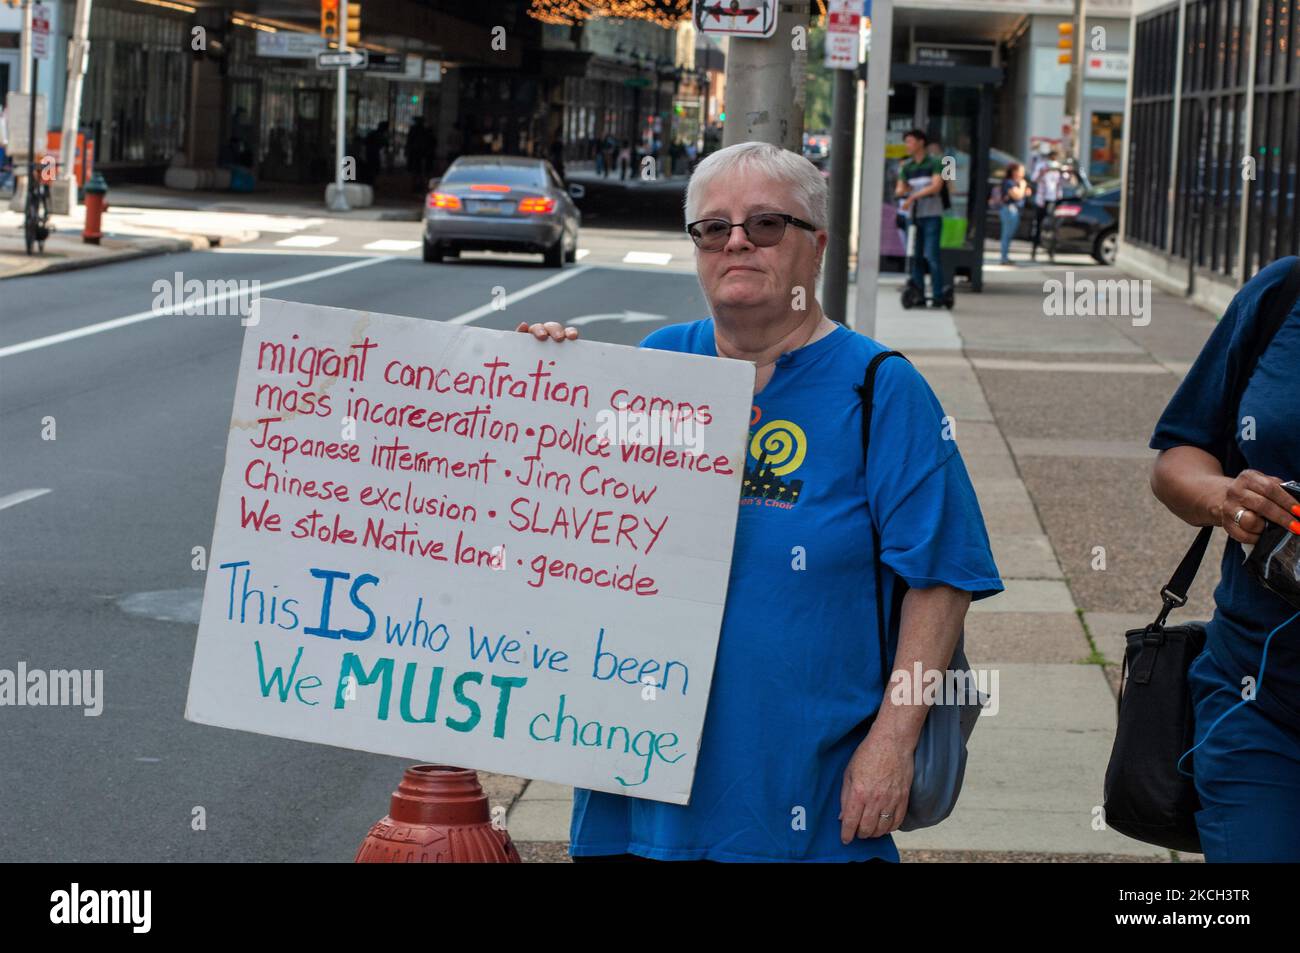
{"x": 1076, "y": 74}
{"x": 872, "y": 188}
{"x": 842, "y": 57}
{"x": 25, "y": 81}
{"x": 64, "y": 194}
{"x": 340, "y": 200}
{"x": 761, "y": 75}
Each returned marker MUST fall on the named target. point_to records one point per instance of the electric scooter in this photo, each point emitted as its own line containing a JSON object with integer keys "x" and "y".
{"x": 912, "y": 296}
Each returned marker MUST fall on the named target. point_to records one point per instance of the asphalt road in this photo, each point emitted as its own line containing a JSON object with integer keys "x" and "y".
{"x": 95, "y": 573}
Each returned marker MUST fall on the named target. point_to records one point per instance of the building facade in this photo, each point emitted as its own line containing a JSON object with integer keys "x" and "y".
{"x": 1021, "y": 37}
{"x": 234, "y": 83}
{"x": 1211, "y": 178}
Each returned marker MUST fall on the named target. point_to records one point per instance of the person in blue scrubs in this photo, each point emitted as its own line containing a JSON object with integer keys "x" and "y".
{"x": 1247, "y": 756}
{"x": 803, "y": 756}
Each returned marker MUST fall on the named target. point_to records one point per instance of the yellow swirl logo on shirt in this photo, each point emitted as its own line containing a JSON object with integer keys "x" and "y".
{"x": 784, "y": 444}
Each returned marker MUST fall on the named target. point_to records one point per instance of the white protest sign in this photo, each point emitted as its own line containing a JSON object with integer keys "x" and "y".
{"x": 471, "y": 547}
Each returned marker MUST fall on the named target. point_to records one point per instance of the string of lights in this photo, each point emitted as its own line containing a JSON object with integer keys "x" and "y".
{"x": 665, "y": 13}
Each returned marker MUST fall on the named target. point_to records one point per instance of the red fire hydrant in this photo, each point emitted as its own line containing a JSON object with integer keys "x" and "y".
{"x": 438, "y": 815}
{"x": 96, "y": 203}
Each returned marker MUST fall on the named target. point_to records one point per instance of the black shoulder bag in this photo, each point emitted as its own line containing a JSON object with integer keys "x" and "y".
{"x": 1146, "y": 796}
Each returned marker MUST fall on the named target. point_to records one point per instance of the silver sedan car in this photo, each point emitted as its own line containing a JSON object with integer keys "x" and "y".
{"x": 502, "y": 203}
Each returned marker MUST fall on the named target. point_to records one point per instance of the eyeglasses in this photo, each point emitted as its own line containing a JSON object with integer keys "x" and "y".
{"x": 763, "y": 229}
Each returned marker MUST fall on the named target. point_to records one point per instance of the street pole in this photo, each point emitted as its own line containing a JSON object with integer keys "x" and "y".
{"x": 760, "y": 74}
{"x": 65, "y": 191}
{"x": 31, "y": 126}
{"x": 25, "y": 83}
{"x": 872, "y": 187}
{"x": 340, "y": 200}
{"x": 1076, "y": 74}
{"x": 844, "y": 107}
{"x": 17, "y": 202}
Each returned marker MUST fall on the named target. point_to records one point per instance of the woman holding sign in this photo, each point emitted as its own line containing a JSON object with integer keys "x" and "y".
{"x": 804, "y": 755}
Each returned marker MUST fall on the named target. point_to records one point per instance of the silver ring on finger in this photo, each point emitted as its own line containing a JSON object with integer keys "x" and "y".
{"x": 1240, "y": 513}
{"x": 885, "y": 815}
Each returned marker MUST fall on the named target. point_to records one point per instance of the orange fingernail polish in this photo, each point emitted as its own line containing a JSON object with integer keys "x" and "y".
{"x": 1295, "y": 527}
{"x": 1295, "y": 510}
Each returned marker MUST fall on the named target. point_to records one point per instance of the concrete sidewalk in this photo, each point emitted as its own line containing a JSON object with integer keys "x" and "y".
{"x": 1052, "y": 417}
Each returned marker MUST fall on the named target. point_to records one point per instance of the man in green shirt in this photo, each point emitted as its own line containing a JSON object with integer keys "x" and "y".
{"x": 921, "y": 180}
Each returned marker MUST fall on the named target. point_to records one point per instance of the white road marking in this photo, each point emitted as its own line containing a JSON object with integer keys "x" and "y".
{"x": 581, "y": 254}
{"x": 391, "y": 244}
{"x": 49, "y": 341}
{"x": 647, "y": 258}
{"x": 510, "y": 299}
{"x": 307, "y": 241}
{"x": 627, "y": 317}
{"x": 240, "y": 250}
{"x": 22, "y": 496}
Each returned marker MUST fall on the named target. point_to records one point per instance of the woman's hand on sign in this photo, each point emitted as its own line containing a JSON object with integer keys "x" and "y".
{"x": 551, "y": 329}
{"x": 876, "y": 783}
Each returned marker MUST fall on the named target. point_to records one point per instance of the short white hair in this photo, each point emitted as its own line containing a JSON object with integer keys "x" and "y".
{"x": 767, "y": 160}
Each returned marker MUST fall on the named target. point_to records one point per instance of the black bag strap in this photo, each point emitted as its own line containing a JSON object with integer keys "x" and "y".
{"x": 866, "y": 391}
{"x": 1275, "y": 306}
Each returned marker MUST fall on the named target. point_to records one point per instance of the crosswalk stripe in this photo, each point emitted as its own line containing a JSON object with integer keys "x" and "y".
{"x": 307, "y": 241}
{"x": 391, "y": 244}
{"x": 647, "y": 258}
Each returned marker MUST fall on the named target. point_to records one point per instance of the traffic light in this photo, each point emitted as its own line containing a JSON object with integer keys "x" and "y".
{"x": 1065, "y": 42}
{"x": 329, "y": 19}
{"x": 354, "y": 24}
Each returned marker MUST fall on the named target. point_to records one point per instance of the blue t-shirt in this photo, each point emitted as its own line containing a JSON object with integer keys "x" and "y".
{"x": 1201, "y": 415}
{"x": 798, "y": 667}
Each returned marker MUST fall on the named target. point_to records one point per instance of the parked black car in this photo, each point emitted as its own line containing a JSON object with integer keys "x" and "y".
{"x": 1088, "y": 223}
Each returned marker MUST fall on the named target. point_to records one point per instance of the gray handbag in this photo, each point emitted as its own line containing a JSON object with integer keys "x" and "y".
{"x": 939, "y": 764}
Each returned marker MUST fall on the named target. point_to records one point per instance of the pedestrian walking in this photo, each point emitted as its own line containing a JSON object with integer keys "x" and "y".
{"x": 376, "y": 142}
{"x": 1014, "y": 191}
{"x": 624, "y": 159}
{"x": 419, "y": 151}
{"x": 798, "y": 710}
{"x": 609, "y": 147}
{"x": 1047, "y": 191}
{"x": 557, "y": 156}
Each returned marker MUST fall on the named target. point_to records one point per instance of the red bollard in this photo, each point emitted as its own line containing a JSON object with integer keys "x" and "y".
{"x": 439, "y": 815}
{"x": 96, "y": 191}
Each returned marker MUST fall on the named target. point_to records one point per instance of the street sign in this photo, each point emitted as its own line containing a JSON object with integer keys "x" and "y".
{"x": 1106, "y": 65}
{"x": 347, "y": 59}
{"x": 843, "y": 22}
{"x": 748, "y": 18}
{"x": 41, "y": 15}
{"x": 386, "y": 63}
{"x": 16, "y": 114}
{"x": 297, "y": 46}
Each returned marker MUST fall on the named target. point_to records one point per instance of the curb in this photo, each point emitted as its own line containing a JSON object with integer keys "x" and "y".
{"x": 147, "y": 249}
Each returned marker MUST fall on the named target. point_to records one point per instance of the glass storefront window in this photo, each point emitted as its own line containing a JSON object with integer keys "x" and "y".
{"x": 1104, "y": 144}
{"x": 137, "y": 83}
